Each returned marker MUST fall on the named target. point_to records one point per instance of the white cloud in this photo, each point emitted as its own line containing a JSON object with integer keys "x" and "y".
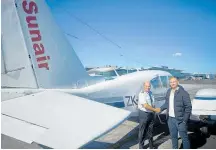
{"x": 177, "y": 54}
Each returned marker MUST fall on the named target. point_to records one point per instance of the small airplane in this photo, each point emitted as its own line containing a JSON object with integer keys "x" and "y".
{"x": 47, "y": 95}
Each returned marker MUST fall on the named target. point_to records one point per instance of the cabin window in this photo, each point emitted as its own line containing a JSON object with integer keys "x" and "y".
{"x": 155, "y": 82}
{"x": 164, "y": 81}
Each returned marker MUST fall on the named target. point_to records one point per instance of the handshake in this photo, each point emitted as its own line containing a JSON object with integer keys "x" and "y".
{"x": 157, "y": 110}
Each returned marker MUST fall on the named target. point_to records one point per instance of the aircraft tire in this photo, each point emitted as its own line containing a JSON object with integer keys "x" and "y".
{"x": 205, "y": 131}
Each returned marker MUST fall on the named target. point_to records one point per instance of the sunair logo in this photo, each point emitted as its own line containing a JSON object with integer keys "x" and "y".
{"x": 31, "y": 9}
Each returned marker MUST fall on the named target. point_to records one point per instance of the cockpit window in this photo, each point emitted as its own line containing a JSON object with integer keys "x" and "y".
{"x": 164, "y": 80}
{"x": 155, "y": 82}
{"x": 132, "y": 70}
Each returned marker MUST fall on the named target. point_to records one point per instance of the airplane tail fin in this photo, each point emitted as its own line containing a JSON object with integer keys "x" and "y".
{"x": 54, "y": 62}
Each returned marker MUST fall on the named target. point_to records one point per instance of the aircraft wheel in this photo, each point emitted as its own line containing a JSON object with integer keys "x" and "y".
{"x": 205, "y": 131}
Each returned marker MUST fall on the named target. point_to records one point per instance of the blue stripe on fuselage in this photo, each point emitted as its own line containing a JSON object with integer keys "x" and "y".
{"x": 205, "y": 98}
{"x": 117, "y": 104}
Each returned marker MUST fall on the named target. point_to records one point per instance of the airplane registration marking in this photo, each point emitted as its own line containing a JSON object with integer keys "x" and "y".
{"x": 131, "y": 100}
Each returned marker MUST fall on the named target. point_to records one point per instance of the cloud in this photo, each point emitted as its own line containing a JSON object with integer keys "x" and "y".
{"x": 177, "y": 54}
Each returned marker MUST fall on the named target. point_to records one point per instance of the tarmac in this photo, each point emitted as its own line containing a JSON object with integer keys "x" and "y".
{"x": 125, "y": 136}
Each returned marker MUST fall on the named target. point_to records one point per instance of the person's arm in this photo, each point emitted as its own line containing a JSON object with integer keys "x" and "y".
{"x": 187, "y": 105}
{"x": 147, "y": 106}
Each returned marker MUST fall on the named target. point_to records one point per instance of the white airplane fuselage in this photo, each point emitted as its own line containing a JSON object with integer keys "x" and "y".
{"x": 121, "y": 92}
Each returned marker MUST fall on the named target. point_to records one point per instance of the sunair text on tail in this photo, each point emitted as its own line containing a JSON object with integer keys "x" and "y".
{"x": 34, "y": 31}
{"x": 48, "y": 59}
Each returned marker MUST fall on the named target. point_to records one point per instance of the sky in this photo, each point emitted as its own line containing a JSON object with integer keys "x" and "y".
{"x": 141, "y": 33}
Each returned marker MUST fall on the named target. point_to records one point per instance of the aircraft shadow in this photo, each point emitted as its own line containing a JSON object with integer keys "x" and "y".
{"x": 131, "y": 138}
{"x": 197, "y": 139}
{"x": 213, "y": 129}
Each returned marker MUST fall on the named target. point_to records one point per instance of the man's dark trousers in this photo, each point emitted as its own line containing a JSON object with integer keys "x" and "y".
{"x": 174, "y": 127}
{"x": 146, "y": 123}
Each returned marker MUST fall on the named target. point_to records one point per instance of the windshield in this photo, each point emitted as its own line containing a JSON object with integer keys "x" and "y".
{"x": 155, "y": 82}
{"x": 164, "y": 80}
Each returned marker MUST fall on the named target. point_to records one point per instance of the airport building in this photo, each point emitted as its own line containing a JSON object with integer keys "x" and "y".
{"x": 204, "y": 75}
{"x": 175, "y": 72}
{"x": 110, "y": 72}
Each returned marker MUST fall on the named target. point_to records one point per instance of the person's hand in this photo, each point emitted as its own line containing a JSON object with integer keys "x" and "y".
{"x": 157, "y": 110}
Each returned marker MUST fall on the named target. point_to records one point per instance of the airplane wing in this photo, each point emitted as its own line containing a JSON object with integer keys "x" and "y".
{"x": 58, "y": 120}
